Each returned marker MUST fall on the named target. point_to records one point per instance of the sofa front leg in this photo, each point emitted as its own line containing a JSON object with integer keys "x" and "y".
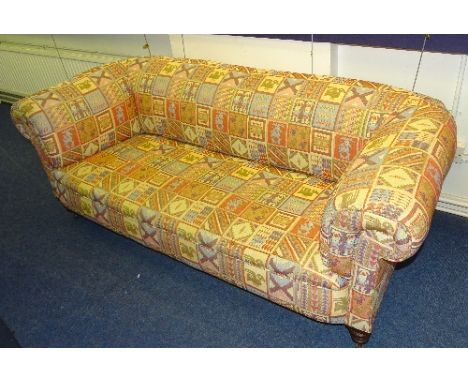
{"x": 359, "y": 337}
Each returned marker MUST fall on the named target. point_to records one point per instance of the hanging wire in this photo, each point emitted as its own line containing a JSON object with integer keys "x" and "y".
{"x": 312, "y": 53}
{"x": 147, "y": 46}
{"x": 183, "y": 45}
{"x": 426, "y": 37}
{"x": 60, "y": 58}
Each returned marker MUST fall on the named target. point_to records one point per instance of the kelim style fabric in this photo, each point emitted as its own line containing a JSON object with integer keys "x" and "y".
{"x": 303, "y": 189}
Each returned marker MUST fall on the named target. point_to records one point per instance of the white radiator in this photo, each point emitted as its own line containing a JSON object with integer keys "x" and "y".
{"x": 25, "y": 69}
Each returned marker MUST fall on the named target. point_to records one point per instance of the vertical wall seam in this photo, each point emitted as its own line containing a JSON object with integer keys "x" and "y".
{"x": 312, "y": 54}
{"x": 459, "y": 86}
{"x": 183, "y": 45}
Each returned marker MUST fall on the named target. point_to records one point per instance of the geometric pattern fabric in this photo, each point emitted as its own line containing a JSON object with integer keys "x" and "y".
{"x": 303, "y": 189}
{"x": 307, "y": 123}
{"x": 303, "y": 122}
{"x": 78, "y": 118}
{"x": 206, "y": 209}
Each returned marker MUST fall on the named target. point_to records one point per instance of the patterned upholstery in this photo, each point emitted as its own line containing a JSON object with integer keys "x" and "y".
{"x": 255, "y": 225}
{"x": 306, "y": 123}
{"x": 76, "y": 119}
{"x": 303, "y": 189}
{"x": 382, "y": 207}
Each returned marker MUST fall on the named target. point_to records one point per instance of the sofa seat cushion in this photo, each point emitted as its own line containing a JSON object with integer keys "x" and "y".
{"x": 205, "y": 204}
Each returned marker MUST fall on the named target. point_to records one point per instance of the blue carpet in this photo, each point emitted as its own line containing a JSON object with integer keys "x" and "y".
{"x": 7, "y": 337}
{"x": 65, "y": 281}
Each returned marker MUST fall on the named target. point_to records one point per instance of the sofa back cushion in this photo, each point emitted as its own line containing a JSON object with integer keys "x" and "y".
{"x": 313, "y": 124}
{"x": 78, "y": 118}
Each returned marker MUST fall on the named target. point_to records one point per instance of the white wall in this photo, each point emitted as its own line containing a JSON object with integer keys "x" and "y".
{"x": 118, "y": 45}
{"x": 29, "y": 63}
{"x": 440, "y": 76}
{"x": 259, "y": 52}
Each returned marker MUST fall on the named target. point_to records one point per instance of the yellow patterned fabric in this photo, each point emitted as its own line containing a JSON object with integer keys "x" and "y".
{"x": 81, "y": 117}
{"x": 253, "y": 224}
{"x": 382, "y": 207}
{"x": 303, "y": 189}
{"x": 313, "y": 124}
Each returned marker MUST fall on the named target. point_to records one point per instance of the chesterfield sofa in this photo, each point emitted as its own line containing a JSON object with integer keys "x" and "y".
{"x": 306, "y": 190}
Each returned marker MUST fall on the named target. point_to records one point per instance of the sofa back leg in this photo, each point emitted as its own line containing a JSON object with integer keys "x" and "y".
{"x": 359, "y": 337}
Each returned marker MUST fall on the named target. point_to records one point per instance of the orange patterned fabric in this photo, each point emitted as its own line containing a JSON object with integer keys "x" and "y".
{"x": 313, "y": 124}
{"x": 303, "y": 189}
{"x": 79, "y": 118}
{"x": 253, "y": 224}
{"x": 382, "y": 207}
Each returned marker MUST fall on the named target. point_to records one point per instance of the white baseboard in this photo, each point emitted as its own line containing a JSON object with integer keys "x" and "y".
{"x": 453, "y": 204}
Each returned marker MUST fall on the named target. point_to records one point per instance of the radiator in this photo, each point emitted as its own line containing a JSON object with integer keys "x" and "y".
{"x": 25, "y": 69}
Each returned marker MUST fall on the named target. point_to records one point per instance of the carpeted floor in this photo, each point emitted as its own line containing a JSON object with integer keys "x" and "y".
{"x": 7, "y": 337}
{"x": 65, "y": 281}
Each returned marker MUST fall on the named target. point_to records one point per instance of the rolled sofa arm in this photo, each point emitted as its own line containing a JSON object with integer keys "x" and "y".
{"x": 78, "y": 118}
{"x": 383, "y": 204}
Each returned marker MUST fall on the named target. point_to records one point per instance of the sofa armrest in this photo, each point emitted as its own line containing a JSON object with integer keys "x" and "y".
{"x": 78, "y": 118}
{"x": 382, "y": 206}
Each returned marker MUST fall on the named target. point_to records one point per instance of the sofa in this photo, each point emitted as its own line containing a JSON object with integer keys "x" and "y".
{"x": 306, "y": 190}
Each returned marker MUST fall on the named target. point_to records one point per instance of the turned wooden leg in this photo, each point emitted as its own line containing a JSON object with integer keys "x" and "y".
{"x": 359, "y": 337}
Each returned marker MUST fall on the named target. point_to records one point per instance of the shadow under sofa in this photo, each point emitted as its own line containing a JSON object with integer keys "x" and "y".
{"x": 303, "y": 189}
